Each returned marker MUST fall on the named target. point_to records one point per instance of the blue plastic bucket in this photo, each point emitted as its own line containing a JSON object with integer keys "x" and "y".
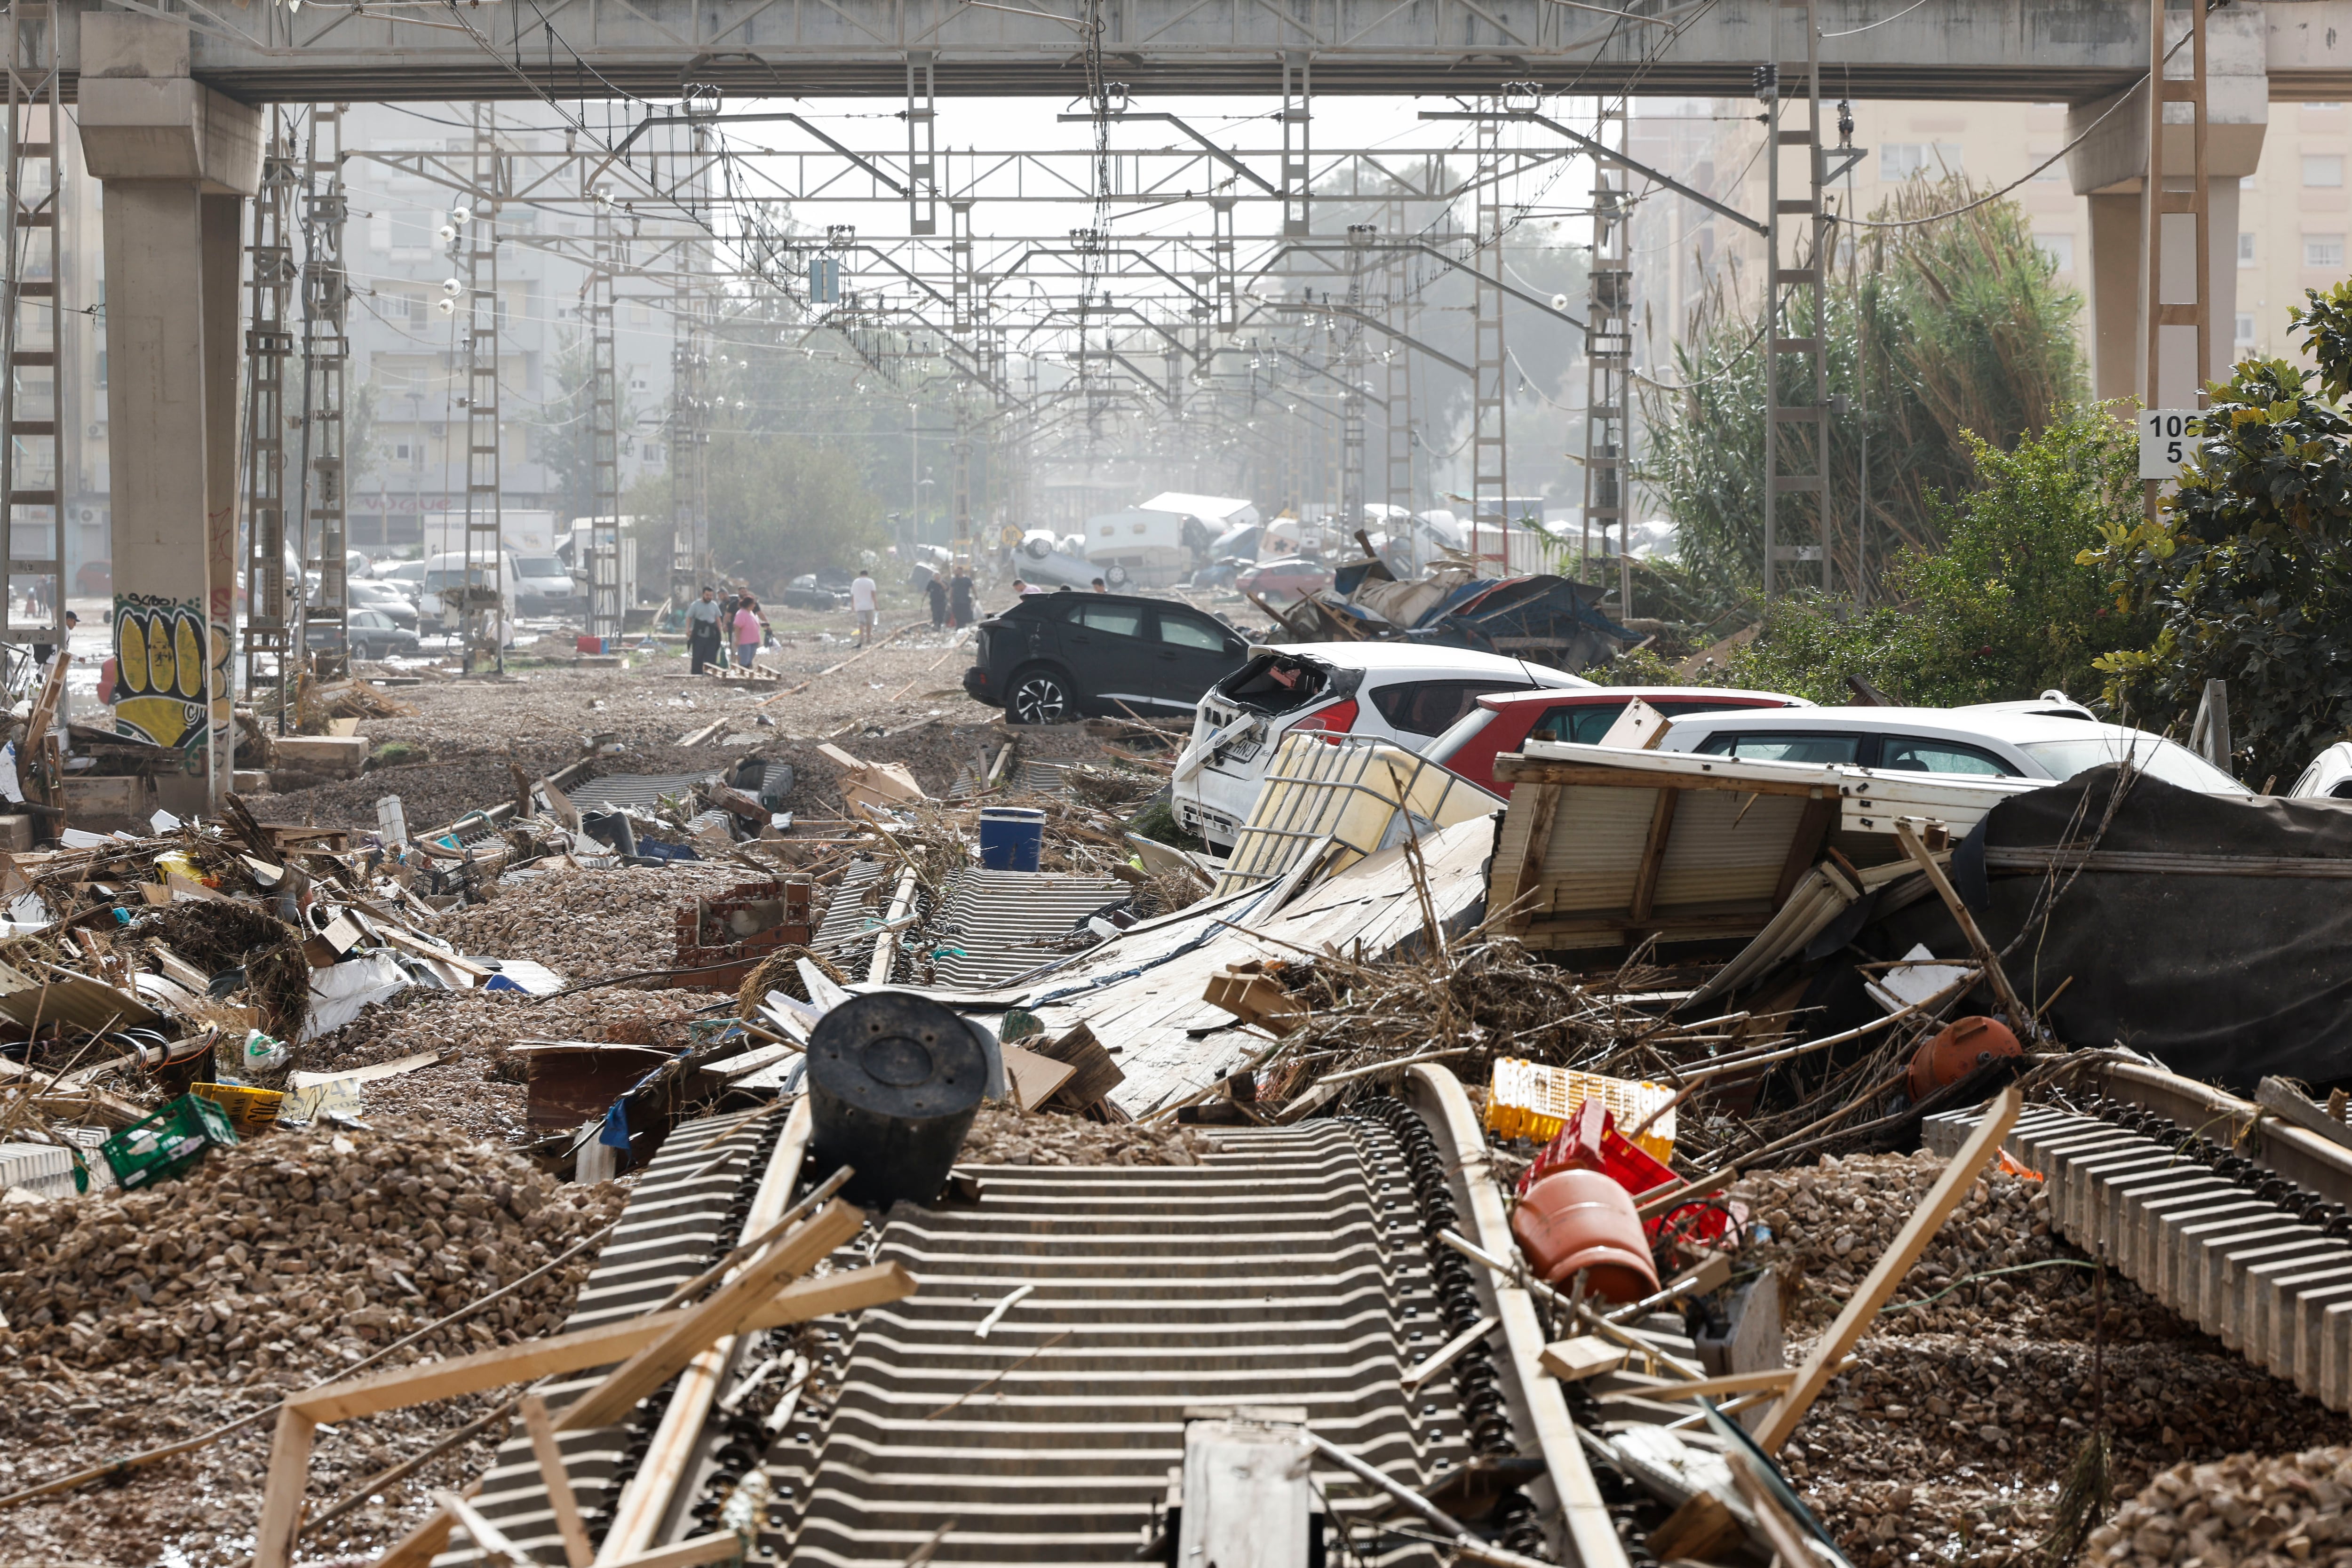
{"x": 1011, "y": 837}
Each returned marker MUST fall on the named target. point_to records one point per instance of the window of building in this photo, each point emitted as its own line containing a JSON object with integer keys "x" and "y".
{"x": 2059, "y": 248}
{"x": 2245, "y": 337}
{"x": 2321, "y": 107}
{"x": 2322, "y": 170}
{"x": 1932, "y": 160}
{"x": 2245, "y": 249}
{"x": 2323, "y": 251}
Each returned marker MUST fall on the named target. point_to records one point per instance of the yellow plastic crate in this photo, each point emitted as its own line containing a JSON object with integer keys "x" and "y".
{"x": 252, "y": 1111}
{"x": 1528, "y": 1100}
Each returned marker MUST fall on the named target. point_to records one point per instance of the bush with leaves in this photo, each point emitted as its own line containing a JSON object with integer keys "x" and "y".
{"x": 2246, "y": 572}
{"x": 1941, "y": 338}
{"x": 2006, "y": 609}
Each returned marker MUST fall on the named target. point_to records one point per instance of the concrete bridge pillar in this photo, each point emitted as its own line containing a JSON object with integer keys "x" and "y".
{"x": 177, "y": 160}
{"x": 2111, "y": 168}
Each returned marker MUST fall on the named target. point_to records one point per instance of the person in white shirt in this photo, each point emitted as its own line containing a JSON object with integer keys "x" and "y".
{"x": 861, "y": 602}
{"x": 702, "y": 631}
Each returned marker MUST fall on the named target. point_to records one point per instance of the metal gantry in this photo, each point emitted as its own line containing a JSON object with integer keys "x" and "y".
{"x": 326, "y": 360}
{"x": 1490, "y": 375}
{"x": 1608, "y": 360}
{"x": 271, "y": 616}
{"x": 1796, "y": 372}
{"x": 605, "y": 606}
{"x": 482, "y": 596}
{"x": 33, "y": 411}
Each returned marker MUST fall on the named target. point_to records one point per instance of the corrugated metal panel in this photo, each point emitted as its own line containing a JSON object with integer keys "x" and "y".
{"x": 1595, "y": 850}
{"x": 1355, "y": 792}
{"x": 637, "y": 792}
{"x": 995, "y": 926}
{"x": 852, "y": 913}
{"x": 1726, "y": 847}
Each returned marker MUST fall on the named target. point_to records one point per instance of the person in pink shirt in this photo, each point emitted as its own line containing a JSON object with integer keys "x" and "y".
{"x": 747, "y": 631}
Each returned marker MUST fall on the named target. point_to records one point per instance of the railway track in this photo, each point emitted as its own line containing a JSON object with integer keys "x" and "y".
{"x": 1294, "y": 1270}
{"x": 2234, "y": 1219}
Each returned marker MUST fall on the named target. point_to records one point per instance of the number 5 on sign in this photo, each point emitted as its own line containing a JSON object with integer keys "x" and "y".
{"x": 2163, "y": 441}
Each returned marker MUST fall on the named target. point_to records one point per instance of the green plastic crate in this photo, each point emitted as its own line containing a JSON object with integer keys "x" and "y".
{"x": 167, "y": 1144}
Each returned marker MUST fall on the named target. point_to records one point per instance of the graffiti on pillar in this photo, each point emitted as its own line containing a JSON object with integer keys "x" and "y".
{"x": 160, "y": 647}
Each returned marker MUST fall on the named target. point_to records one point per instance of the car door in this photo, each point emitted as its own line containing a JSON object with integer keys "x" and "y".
{"x": 1107, "y": 645}
{"x": 1418, "y": 711}
{"x": 1191, "y": 652}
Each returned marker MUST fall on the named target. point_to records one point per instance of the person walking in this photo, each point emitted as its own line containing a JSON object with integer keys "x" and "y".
{"x": 747, "y": 631}
{"x": 938, "y": 593}
{"x": 960, "y": 599}
{"x": 702, "y": 631}
{"x": 861, "y": 604}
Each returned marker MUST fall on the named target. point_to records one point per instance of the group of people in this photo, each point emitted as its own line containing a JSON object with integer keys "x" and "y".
{"x": 710, "y": 622}
{"x": 952, "y": 600}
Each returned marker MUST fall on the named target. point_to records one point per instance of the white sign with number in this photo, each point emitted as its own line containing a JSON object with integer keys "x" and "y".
{"x": 2163, "y": 441}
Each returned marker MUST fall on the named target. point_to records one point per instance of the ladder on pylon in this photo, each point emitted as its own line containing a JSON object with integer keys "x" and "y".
{"x": 1609, "y": 358}
{"x": 32, "y": 410}
{"x": 326, "y": 358}
{"x": 605, "y": 607}
{"x": 271, "y": 619}
{"x": 483, "y": 618}
{"x": 1796, "y": 373}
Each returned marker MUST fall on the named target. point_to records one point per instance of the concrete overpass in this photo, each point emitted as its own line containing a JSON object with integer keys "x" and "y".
{"x": 169, "y": 94}
{"x": 2020, "y": 50}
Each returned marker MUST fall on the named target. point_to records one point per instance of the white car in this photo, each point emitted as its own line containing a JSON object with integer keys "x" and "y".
{"x": 2051, "y": 738}
{"x": 1400, "y": 692}
{"x": 2329, "y": 777}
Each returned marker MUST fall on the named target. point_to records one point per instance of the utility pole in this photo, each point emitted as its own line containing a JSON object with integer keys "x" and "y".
{"x": 270, "y": 622}
{"x": 326, "y": 354}
{"x": 1352, "y": 372}
{"x": 1608, "y": 358}
{"x": 1794, "y": 293}
{"x": 1490, "y": 383}
{"x": 484, "y": 591}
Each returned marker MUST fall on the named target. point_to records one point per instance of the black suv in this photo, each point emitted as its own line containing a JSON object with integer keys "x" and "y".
{"x": 1057, "y": 657}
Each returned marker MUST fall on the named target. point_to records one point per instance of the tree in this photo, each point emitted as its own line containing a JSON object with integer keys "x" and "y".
{"x": 2009, "y": 606}
{"x": 1941, "y": 336}
{"x": 2246, "y": 570}
{"x": 779, "y": 506}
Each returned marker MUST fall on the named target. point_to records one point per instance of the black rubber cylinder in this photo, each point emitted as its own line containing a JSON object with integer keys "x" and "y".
{"x": 894, "y": 1081}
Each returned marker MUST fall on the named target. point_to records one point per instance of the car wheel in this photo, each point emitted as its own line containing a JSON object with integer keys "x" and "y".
{"x": 1041, "y": 696}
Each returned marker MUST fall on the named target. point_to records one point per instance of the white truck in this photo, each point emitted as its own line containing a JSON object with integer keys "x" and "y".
{"x": 538, "y": 583}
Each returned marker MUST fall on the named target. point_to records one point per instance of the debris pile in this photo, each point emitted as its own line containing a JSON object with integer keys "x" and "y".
{"x": 303, "y": 1251}
{"x": 2248, "y": 1510}
{"x": 1001, "y": 1135}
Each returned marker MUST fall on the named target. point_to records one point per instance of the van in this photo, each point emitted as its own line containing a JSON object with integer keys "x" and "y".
{"x": 449, "y": 571}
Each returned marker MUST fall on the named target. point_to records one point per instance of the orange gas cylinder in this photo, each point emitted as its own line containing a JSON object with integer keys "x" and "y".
{"x": 1582, "y": 1219}
{"x": 1965, "y": 1044}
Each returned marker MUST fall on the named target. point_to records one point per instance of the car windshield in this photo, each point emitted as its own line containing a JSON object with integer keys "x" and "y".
{"x": 2168, "y": 760}
{"x": 539, "y": 566}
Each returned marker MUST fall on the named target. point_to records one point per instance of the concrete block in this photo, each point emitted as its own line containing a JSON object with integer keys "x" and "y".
{"x": 2191, "y": 1184}
{"x": 2273, "y": 1288}
{"x": 2087, "y": 1183}
{"x": 2204, "y": 1272}
{"x": 249, "y": 780}
{"x": 16, "y": 832}
{"x": 2244, "y": 1275}
{"x": 337, "y": 756}
{"x": 2308, "y": 1322}
{"x": 2182, "y": 1231}
{"x": 113, "y": 797}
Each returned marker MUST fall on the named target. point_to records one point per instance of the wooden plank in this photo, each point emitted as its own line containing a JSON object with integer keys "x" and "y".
{"x": 489, "y": 1538}
{"x": 1593, "y": 775}
{"x": 2020, "y": 1016}
{"x": 1820, "y": 814}
{"x": 715, "y": 1548}
{"x": 1520, "y": 858}
{"x": 585, "y": 1348}
{"x": 1771, "y": 1380}
{"x": 2282, "y": 1098}
{"x": 727, "y": 1311}
{"x": 1862, "y": 1307}
{"x": 1653, "y": 854}
{"x": 281, "y": 1498}
{"x": 421, "y": 1545}
{"x": 578, "y": 1550}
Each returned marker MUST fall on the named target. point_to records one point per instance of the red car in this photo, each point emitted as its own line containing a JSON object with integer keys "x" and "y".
{"x": 1281, "y": 581}
{"x": 1507, "y": 720}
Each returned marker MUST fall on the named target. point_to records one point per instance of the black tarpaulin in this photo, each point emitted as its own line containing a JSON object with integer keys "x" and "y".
{"x": 2212, "y": 932}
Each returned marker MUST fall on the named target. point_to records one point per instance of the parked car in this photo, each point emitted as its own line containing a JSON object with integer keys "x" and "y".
{"x": 1507, "y": 721}
{"x": 1405, "y": 693}
{"x": 2043, "y": 740}
{"x": 2329, "y": 776}
{"x": 406, "y": 575}
{"x": 371, "y": 594}
{"x": 805, "y": 593}
{"x": 1053, "y": 657}
{"x": 372, "y": 635}
{"x": 1283, "y": 580}
{"x": 1221, "y": 573}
